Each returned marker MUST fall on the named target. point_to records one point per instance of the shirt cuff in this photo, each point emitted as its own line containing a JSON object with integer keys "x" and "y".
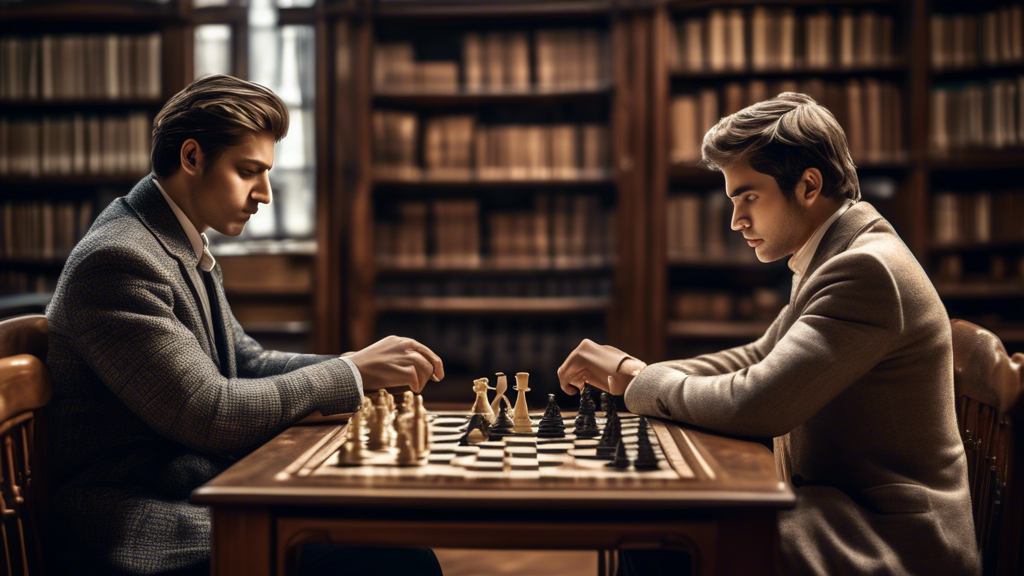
{"x": 357, "y": 375}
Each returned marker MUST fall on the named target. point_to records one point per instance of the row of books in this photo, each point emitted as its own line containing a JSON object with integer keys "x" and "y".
{"x": 992, "y": 37}
{"x": 699, "y": 226}
{"x": 1001, "y": 269}
{"x": 499, "y": 62}
{"x": 561, "y": 232}
{"x": 977, "y": 217}
{"x": 760, "y": 304}
{"x": 42, "y": 230}
{"x": 77, "y": 66}
{"x": 455, "y": 286}
{"x": 481, "y": 347}
{"x": 869, "y": 111}
{"x": 779, "y": 39}
{"x": 457, "y": 147}
{"x": 23, "y": 282}
{"x": 78, "y": 144}
{"x": 989, "y": 115}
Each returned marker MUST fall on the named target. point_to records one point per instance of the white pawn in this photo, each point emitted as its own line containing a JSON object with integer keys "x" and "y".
{"x": 481, "y": 406}
{"x": 521, "y": 413}
{"x": 351, "y": 452}
{"x": 406, "y": 453}
{"x": 380, "y": 438}
{"x": 423, "y": 439}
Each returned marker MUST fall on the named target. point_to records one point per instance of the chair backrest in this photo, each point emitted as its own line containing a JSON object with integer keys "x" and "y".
{"x": 24, "y": 392}
{"x": 990, "y": 414}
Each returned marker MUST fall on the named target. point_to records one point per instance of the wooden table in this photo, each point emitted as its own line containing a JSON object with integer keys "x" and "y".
{"x": 724, "y": 515}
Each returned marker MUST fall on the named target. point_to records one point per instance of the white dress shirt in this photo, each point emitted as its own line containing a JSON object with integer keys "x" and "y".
{"x": 802, "y": 258}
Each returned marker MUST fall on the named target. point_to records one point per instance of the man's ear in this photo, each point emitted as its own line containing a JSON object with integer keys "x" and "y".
{"x": 809, "y": 187}
{"x": 191, "y": 157}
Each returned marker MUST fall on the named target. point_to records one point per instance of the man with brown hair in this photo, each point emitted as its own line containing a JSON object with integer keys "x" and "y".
{"x": 853, "y": 380}
{"x": 156, "y": 387}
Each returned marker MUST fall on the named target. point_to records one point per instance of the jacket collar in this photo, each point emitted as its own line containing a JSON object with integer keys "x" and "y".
{"x": 147, "y": 201}
{"x": 840, "y": 235}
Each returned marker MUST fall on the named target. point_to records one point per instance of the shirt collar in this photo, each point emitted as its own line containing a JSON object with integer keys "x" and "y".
{"x": 802, "y": 258}
{"x": 194, "y": 237}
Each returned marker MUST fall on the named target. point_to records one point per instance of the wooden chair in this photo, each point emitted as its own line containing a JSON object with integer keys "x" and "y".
{"x": 990, "y": 414}
{"x": 24, "y": 392}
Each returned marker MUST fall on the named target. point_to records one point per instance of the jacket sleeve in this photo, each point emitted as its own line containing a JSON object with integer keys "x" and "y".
{"x": 129, "y": 335}
{"x": 253, "y": 361}
{"x": 851, "y": 319}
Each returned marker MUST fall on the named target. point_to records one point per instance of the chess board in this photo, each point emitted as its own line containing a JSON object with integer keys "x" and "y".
{"x": 518, "y": 456}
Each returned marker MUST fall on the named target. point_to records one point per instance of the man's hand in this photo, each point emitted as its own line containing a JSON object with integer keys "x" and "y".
{"x": 396, "y": 361}
{"x": 593, "y": 363}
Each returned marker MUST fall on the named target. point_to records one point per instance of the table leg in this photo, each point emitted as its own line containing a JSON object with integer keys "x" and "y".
{"x": 242, "y": 543}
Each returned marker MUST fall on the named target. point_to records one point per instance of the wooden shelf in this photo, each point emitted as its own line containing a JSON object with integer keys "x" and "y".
{"x": 976, "y": 247}
{"x": 412, "y": 98}
{"x": 1013, "y": 335}
{"x": 58, "y": 181}
{"x": 686, "y": 5}
{"x": 728, "y": 262}
{"x": 898, "y": 67}
{"x": 34, "y": 263}
{"x": 977, "y": 159}
{"x": 493, "y": 305}
{"x": 715, "y": 329}
{"x": 492, "y": 9}
{"x": 18, "y": 304}
{"x": 94, "y": 11}
{"x": 425, "y": 180}
{"x": 977, "y": 72}
{"x": 489, "y": 268}
{"x": 88, "y": 104}
{"x": 986, "y": 290}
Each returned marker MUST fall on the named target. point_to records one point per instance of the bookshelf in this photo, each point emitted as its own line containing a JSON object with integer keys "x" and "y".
{"x": 79, "y": 87}
{"x": 975, "y": 162}
{"x": 493, "y": 191}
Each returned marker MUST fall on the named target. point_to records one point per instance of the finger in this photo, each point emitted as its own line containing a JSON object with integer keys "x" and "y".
{"x": 584, "y": 376}
{"x": 569, "y": 366}
{"x": 437, "y": 367}
{"x": 423, "y": 367}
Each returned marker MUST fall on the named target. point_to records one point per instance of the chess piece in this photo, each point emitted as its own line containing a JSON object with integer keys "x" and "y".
{"x": 406, "y": 453}
{"x": 351, "y": 451}
{"x": 621, "y": 461}
{"x": 586, "y": 423}
{"x": 500, "y": 384}
{"x": 645, "y": 458}
{"x": 482, "y": 406}
{"x": 380, "y": 436}
{"x": 611, "y": 436}
{"x": 607, "y": 401}
{"x": 369, "y": 412}
{"x": 503, "y": 425}
{"x": 479, "y": 430}
{"x": 424, "y": 423}
{"x": 551, "y": 425}
{"x": 521, "y": 414}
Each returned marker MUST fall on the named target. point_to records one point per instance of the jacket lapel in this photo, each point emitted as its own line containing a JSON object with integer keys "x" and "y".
{"x": 838, "y": 238}
{"x": 154, "y": 212}
{"x": 222, "y": 306}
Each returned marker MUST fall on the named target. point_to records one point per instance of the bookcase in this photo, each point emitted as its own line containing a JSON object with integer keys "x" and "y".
{"x": 494, "y": 190}
{"x": 79, "y": 87}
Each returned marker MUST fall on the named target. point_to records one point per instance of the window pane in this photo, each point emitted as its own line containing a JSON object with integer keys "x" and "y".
{"x": 212, "y": 49}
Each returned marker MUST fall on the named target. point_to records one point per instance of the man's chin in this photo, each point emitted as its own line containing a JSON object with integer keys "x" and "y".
{"x": 232, "y": 230}
{"x": 765, "y": 256}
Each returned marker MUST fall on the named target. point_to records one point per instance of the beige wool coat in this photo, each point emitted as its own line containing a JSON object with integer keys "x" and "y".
{"x": 854, "y": 380}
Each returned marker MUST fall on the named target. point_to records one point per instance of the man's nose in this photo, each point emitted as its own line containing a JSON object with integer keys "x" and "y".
{"x": 263, "y": 193}
{"x": 739, "y": 221}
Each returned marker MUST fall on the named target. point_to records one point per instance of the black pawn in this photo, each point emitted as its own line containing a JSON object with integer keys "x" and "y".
{"x": 477, "y": 422}
{"x": 645, "y": 458}
{"x": 551, "y": 425}
{"x": 503, "y": 426}
{"x": 586, "y": 423}
{"x": 642, "y": 426}
{"x": 611, "y": 436}
{"x": 607, "y": 402}
{"x": 621, "y": 461}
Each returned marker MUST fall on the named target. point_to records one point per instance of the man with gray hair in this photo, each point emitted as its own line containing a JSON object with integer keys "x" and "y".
{"x": 156, "y": 387}
{"x": 853, "y": 379}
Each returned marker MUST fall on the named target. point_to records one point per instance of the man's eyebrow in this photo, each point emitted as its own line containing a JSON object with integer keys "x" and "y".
{"x": 261, "y": 165}
{"x": 740, "y": 190}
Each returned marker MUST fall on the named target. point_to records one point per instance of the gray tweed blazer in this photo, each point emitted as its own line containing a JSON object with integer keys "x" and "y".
{"x": 144, "y": 409}
{"x": 854, "y": 380}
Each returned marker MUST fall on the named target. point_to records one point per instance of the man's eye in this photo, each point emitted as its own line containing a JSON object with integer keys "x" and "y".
{"x": 750, "y": 198}
{"x": 248, "y": 173}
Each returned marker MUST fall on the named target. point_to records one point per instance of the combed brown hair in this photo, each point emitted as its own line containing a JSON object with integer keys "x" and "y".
{"x": 783, "y": 137}
{"x": 217, "y": 111}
